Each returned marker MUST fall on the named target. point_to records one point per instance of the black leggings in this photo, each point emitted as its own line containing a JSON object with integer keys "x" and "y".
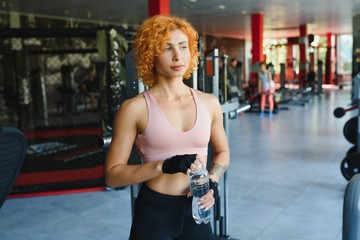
{"x": 163, "y": 217}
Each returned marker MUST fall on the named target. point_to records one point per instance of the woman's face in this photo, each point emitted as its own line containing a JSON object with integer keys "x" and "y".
{"x": 263, "y": 67}
{"x": 175, "y": 59}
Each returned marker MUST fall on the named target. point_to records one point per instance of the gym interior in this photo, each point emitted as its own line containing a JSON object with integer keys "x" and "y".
{"x": 67, "y": 66}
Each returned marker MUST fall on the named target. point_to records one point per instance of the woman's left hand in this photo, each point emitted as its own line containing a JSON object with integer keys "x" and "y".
{"x": 208, "y": 200}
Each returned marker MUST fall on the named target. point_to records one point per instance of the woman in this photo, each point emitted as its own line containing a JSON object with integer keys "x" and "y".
{"x": 171, "y": 125}
{"x": 266, "y": 87}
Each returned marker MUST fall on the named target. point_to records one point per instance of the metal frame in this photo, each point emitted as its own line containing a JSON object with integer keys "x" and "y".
{"x": 212, "y": 77}
{"x": 229, "y": 111}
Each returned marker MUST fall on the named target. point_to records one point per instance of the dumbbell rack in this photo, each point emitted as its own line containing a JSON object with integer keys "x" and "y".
{"x": 350, "y": 165}
{"x": 351, "y": 210}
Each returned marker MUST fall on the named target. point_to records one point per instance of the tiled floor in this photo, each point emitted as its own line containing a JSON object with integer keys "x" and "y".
{"x": 284, "y": 183}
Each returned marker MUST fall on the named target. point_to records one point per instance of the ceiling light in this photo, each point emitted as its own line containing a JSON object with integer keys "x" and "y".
{"x": 192, "y": 0}
{"x": 221, "y": 6}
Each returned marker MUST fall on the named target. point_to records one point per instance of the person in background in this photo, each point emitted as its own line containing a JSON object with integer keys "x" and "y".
{"x": 233, "y": 89}
{"x": 266, "y": 88}
{"x": 89, "y": 86}
{"x": 171, "y": 125}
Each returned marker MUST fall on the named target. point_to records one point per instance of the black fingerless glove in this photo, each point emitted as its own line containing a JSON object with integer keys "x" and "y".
{"x": 214, "y": 186}
{"x": 178, "y": 163}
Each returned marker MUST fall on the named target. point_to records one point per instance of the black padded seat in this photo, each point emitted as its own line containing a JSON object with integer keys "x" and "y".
{"x": 13, "y": 146}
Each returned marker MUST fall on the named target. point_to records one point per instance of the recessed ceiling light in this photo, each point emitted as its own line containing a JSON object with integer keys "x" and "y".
{"x": 192, "y": 0}
{"x": 221, "y": 6}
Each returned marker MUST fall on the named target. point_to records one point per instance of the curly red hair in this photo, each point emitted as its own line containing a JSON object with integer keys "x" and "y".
{"x": 150, "y": 42}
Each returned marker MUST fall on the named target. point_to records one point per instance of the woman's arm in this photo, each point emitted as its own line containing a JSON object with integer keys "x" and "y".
{"x": 125, "y": 127}
{"x": 269, "y": 77}
{"x": 220, "y": 147}
{"x": 259, "y": 85}
{"x": 218, "y": 139}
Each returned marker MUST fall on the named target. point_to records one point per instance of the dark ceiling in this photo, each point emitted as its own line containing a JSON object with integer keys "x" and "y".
{"x": 231, "y": 18}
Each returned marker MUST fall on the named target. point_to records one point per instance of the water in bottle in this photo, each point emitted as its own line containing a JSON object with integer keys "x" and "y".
{"x": 199, "y": 186}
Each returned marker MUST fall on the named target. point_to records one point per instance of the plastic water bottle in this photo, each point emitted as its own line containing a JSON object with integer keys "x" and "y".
{"x": 199, "y": 186}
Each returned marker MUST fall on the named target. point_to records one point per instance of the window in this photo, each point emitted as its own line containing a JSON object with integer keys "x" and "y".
{"x": 344, "y": 53}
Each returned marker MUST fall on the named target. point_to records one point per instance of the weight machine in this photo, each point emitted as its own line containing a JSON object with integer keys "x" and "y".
{"x": 351, "y": 211}
{"x": 350, "y": 165}
{"x": 295, "y": 96}
{"x": 230, "y": 110}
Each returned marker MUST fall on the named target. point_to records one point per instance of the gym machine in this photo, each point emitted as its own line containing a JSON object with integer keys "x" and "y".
{"x": 230, "y": 110}
{"x": 350, "y": 165}
{"x": 43, "y": 91}
{"x": 133, "y": 87}
{"x": 318, "y": 82}
{"x": 292, "y": 96}
{"x": 319, "y": 77}
{"x": 355, "y": 84}
{"x": 351, "y": 211}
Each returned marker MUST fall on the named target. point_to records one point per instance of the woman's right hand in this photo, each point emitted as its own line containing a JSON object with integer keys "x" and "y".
{"x": 179, "y": 163}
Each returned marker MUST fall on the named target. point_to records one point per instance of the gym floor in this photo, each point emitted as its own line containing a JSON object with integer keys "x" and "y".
{"x": 284, "y": 183}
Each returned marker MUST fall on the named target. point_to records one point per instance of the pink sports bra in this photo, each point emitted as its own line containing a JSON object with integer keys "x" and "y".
{"x": 161, "y": 140}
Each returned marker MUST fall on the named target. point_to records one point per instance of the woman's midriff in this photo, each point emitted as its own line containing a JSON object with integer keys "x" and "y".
{"x": 170, "y": 184}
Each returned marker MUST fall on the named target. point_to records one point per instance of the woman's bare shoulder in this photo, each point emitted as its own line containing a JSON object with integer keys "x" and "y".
{"x": 208, "y": 98}
{"x": 133, "y": 107}
{"x": 134, "y": 103}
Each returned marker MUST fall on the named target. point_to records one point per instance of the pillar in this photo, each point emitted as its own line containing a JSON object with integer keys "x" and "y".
{"x": 302, "y": 49}
{"x": 257, "y": 29}
{"x": 289, "y": 72}
{"x": 159, "y": 7}
{"x": 328, "y": 60}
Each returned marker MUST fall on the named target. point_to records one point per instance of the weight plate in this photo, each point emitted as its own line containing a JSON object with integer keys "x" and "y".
{"x": 350, "y": 130}
{"x": 351, "y": 150}
{"x": 350, "y": 165}
{"x": 339, "y": 112}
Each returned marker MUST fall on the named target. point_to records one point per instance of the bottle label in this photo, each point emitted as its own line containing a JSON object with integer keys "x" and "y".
{"x": 199, "y": 190}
